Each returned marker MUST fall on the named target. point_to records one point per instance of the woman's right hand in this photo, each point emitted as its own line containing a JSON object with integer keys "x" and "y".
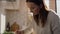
{"x": 19, "y": 32}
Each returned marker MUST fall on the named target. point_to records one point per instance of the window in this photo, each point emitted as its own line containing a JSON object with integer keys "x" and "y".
{"x": 3, "y": 22}
{"x": 47, "y": 3}
{"x": 58, "y": 7}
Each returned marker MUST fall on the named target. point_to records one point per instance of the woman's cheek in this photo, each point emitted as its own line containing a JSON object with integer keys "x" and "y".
{"x": 37, "y": 10}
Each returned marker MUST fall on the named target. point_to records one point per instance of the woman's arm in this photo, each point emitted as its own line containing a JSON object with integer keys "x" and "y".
{"x": 55, "y": 25}
{"x": 29, "y": 28}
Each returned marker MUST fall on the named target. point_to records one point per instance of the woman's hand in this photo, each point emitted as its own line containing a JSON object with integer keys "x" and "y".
{"x": 19, "y": 32}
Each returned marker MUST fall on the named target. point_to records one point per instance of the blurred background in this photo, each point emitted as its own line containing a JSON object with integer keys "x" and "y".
{"x": 15, "y": 13}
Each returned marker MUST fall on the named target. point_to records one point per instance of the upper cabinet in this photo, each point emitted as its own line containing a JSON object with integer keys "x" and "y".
{"x": 12, "y": 4}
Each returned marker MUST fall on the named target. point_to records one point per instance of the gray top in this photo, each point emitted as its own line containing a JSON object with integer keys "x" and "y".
{"x": 52, "y": 25}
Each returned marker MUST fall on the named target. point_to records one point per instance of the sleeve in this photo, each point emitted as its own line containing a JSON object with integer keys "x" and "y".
{"x": 29, "y": 28}
{"x": 55, "y": 25}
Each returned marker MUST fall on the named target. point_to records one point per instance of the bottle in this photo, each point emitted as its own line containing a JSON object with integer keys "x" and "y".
{"x": 8, "y": 27}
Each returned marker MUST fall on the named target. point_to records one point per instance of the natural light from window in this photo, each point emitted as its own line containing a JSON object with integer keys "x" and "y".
{"x": 58, "y": 7}
{"x": 2, "y": 23}
{"x": 47, "y": 3}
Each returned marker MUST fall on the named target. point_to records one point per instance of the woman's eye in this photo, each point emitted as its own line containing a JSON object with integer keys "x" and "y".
{"x": 32, "y": 8}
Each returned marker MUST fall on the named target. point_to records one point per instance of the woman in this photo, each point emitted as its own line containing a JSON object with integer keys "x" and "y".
{"x": 45, "y": 21}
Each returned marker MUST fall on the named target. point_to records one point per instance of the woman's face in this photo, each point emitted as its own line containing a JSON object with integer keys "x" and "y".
{"x": 33, "y": 8}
